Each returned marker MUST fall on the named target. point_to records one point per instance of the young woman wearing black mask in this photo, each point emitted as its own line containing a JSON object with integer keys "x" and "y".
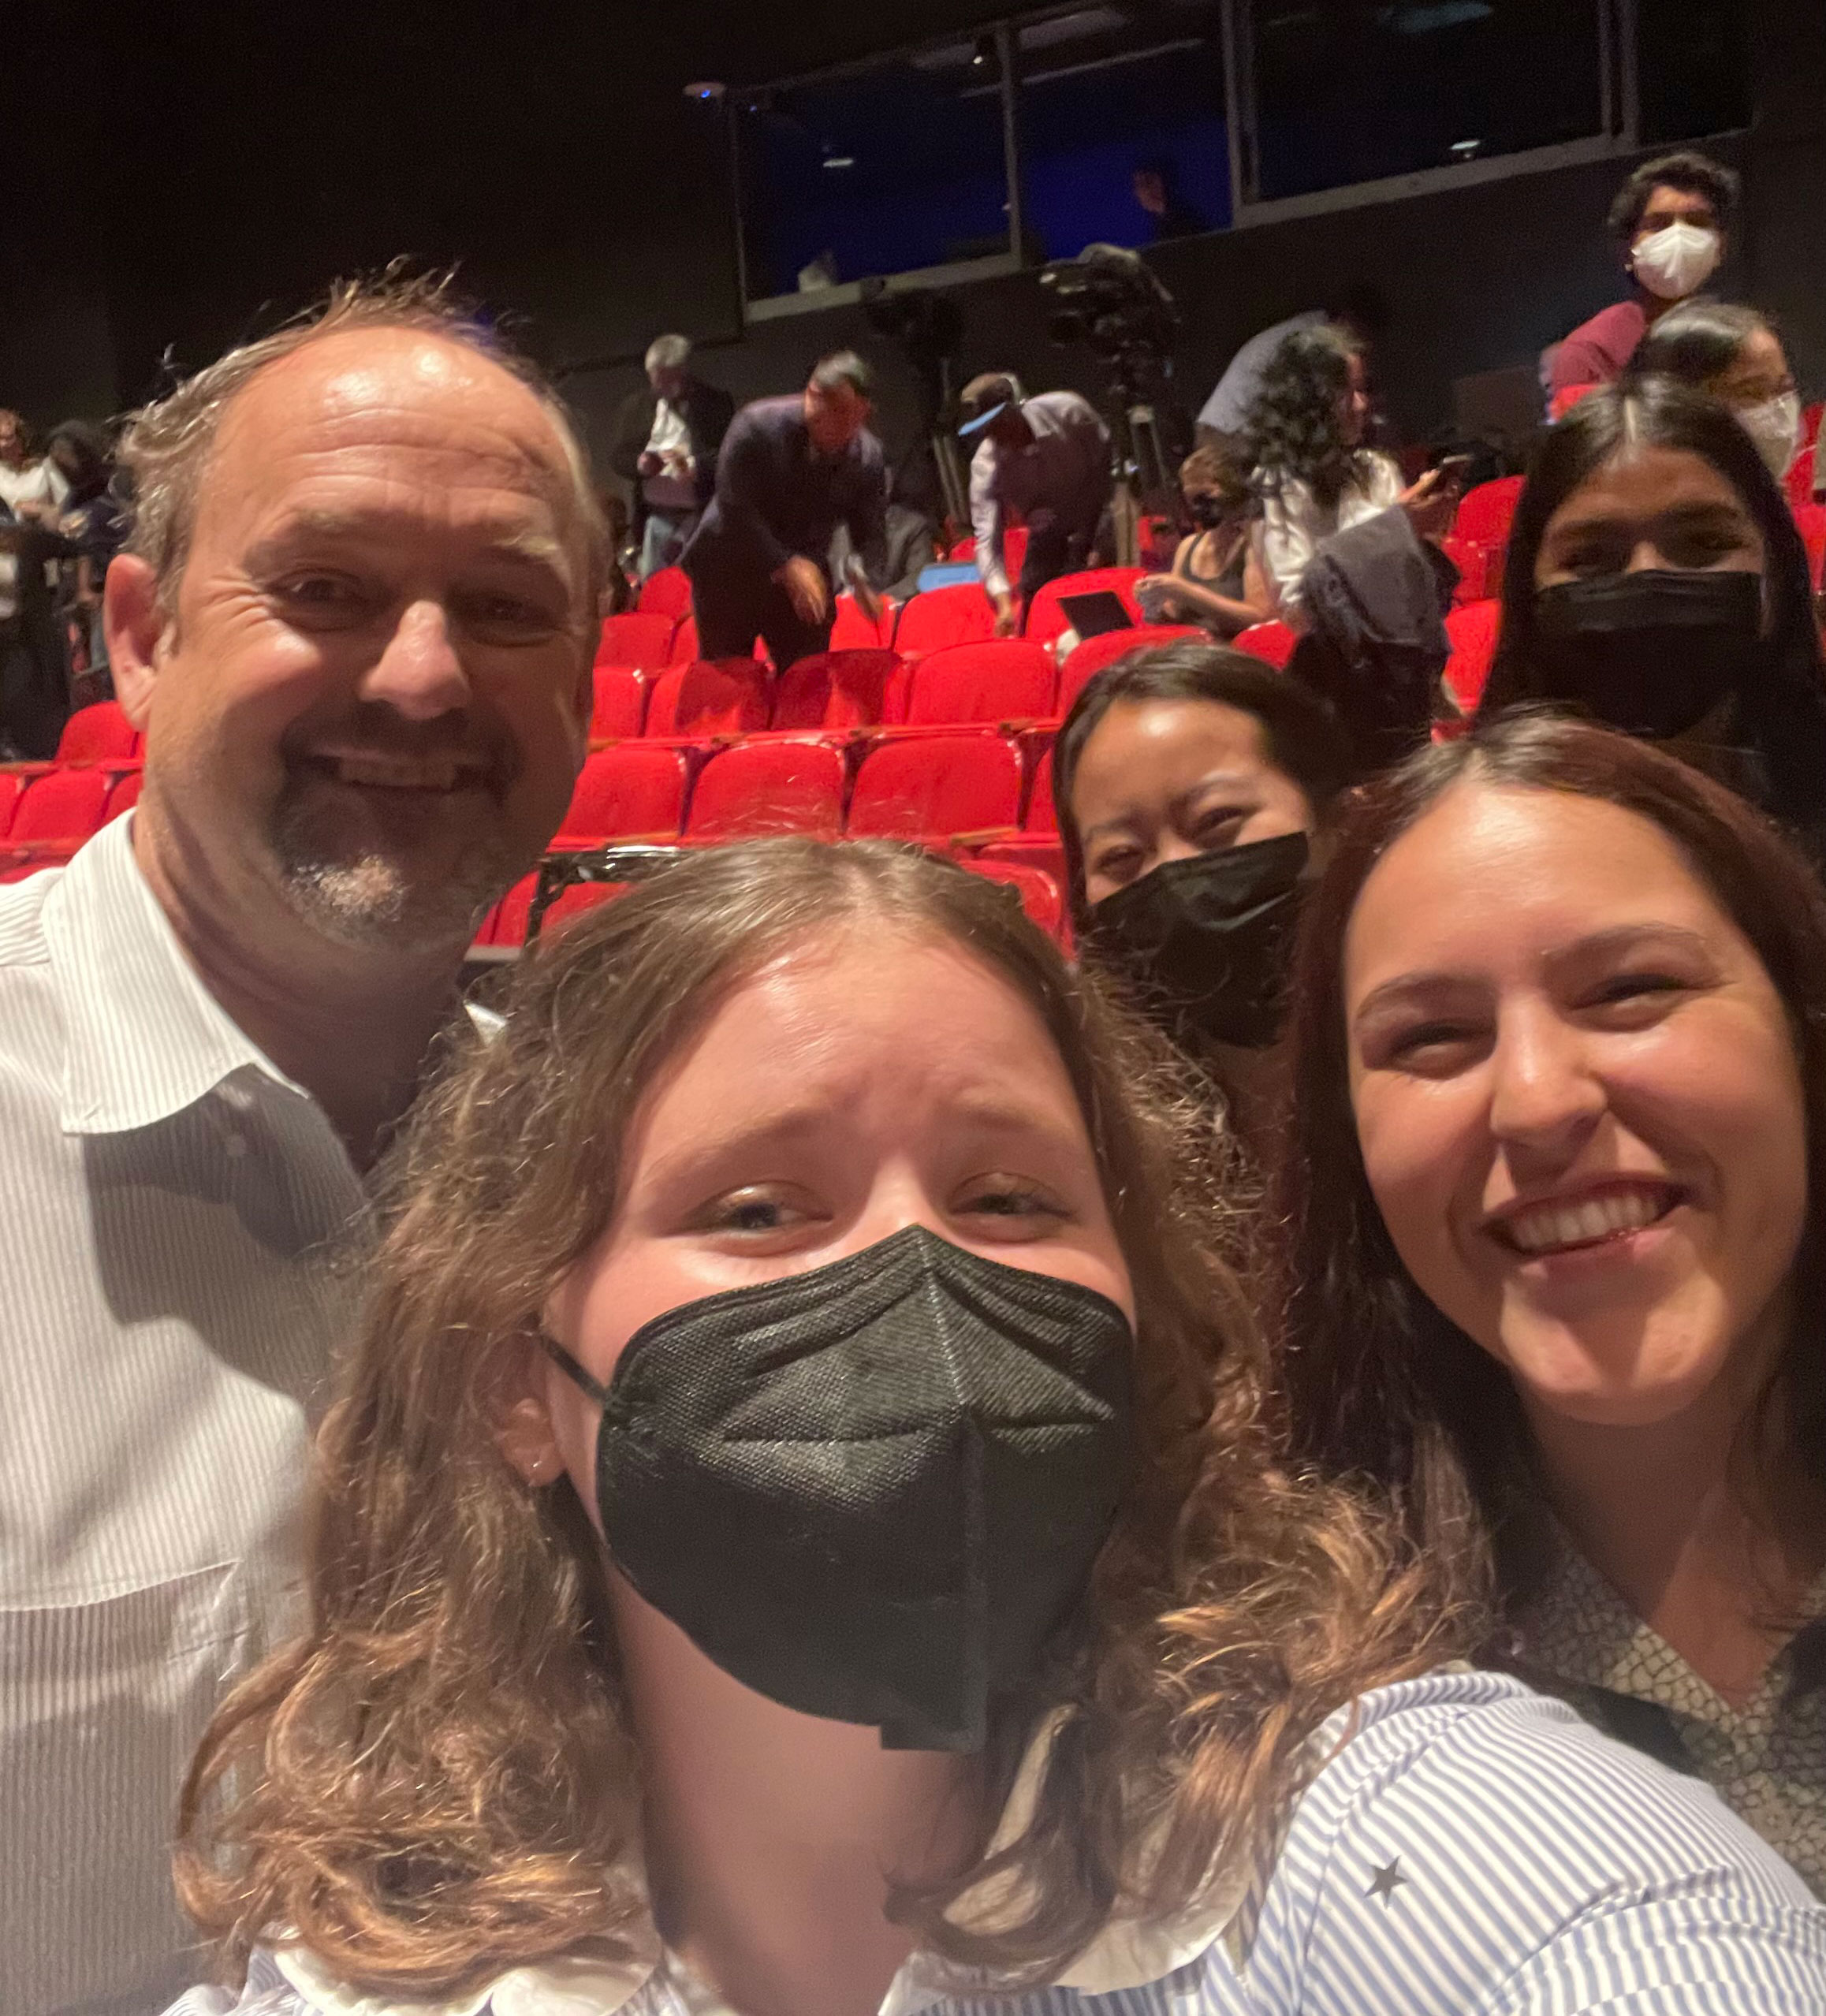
{"x": 1189, "y": 782}
{"x": 801, "y": 1535}
{"x": 1656, "y": 581}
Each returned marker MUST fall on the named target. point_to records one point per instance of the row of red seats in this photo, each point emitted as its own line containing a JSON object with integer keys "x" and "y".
{"x": 47, "y": 810}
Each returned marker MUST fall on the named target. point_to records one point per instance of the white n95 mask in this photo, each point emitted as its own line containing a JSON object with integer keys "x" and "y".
{"x": 1775, "y": 426}
{"x": 1670, "y": 263}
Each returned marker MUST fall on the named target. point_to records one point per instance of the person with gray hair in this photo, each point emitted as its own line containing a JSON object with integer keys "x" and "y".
{"x": 355, "y": 621}
{"x": 668, "y": 435}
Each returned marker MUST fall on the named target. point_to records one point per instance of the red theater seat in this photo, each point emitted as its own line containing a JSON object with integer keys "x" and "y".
{"x": 620, "y": 707}
{"x": 634, "y": 791}
{"x": 1473, "y": 630}
{"x": 959, "y": 615}
{"x": 641, "y": 639}
{"x": 841, "y": 690}
{"x": 100, "y": 734}
{"x": 685, "y": 643}
{"x": 59, "y": 812}
{"x": 1486, "y": 512}
{"x": 852, "y": 631}
{"x": 1095, "y": 653}
{"x": 709, "y": 696}
{"x": 936, "y": 788}
{"x": 569, "y": 904}
{"x": 1047, "y": 622}
{"x": 667, "y": 592}
{"x": 1039, "y": 893}
{"x": 1273, "y": 643}
{"x": 1011, "y": 680}
{"x": 770, "y": 787}
{"x": 1811, "y": 520}
{"x": 12, "y": 784}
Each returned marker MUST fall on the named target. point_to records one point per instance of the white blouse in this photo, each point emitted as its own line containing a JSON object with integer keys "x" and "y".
{"x": 1294, "y": 525}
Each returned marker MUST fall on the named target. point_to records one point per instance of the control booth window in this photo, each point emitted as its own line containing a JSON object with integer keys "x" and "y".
{"x": 1353, "y": 90}
{"x": 1121, "y": 119}
{"x": 889, "y": 168}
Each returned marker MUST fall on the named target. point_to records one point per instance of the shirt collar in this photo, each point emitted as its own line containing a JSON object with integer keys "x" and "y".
{"x": 144, "y": 1038}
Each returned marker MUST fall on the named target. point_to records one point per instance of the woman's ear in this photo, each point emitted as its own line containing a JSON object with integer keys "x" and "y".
{"x": 523, "y": 1423}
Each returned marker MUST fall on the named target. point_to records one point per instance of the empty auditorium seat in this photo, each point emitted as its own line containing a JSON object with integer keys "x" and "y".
{"x": 852, "y": 631}
{"x": 768, "y": 787}
{"x": 1009, "y": 680}
{"x": 1273, "y": 643}
{"x": 841, "y": 690}
{"x": 620, "y": 705}
{"x": 684, "y": 643}
{"x": 569, "y": 904}
{"x": 12, "y": 787}
{"x": 58, "y": 811}
{"x": 641, "y": 639}
{"x": 1472, "y": 630}
{"x": 1486, "y": 511}
{"x": 99, "y": 734}
{"x": 961, "y": 615}
{"x": 1039, "y": 893}
{"x": 1095, "y": 653}
{"x": 936, "y": 787}
{"x": 1047, "y": 622}
{"x": 667, "y": 592}
{"x": 709, "y": 696}
{"x": 634, "y": 791}
{"x": 1480, "y": 567}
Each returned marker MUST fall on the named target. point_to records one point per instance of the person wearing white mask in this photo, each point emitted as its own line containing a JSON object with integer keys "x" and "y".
{"x": 1733, "y": 354}
{"x": 1669, "y": 219}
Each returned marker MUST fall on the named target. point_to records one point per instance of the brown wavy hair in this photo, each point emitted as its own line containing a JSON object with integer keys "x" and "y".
{"x": 438, "y": 1781}
{"x": 1380, "y": 1385}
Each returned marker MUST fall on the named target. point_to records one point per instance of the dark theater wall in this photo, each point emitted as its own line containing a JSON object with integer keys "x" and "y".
{"x": 184, "y": 175}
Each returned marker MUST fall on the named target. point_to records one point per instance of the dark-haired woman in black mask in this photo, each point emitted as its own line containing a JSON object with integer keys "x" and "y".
{"x": 1190, "y": 781}
{"x": 1656, "y": 582}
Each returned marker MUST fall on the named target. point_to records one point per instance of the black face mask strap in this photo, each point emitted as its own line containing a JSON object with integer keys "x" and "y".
{"x": 569, "y": 1366}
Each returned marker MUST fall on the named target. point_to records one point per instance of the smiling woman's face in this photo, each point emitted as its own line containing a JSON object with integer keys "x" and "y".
{"x": 1578, "y": 1100}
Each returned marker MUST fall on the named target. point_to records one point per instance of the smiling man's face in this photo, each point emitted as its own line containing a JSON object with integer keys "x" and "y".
{"x": 370, "y": 698}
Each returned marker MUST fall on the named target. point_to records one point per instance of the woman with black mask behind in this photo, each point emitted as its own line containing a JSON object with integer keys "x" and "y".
{"x": 1656, "y": 581}
{"x": 1189, "y": 782}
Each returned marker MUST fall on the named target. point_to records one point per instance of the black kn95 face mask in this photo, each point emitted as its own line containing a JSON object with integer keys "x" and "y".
{"x": 872, "y": 1491}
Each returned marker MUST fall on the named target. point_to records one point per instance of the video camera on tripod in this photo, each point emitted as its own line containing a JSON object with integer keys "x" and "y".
{"x": 1110, "y": 299}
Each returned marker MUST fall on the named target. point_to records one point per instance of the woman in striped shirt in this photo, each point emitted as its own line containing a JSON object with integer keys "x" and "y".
{"x": 1553, "y": 1241}
{"x": 801, "y": 1535}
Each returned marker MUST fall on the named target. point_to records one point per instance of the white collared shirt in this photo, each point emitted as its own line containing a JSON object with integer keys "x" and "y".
{"x": 1465, "y": 1847}
{"x": 169, "y": 1205}
{"x": 671, "y": 436}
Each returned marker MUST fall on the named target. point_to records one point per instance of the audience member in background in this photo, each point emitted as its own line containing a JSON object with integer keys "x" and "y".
{"x": 355, "y": 622}
{"x": 1655, "y": 579}
{"x": 667, "y": 438}
{"x": 1314, "y": 475}
{"x": 1733, "y": 354}
{"x": 90, "y": 525}
{"x": 1362, "y": 314}
{"x": 34, "y": 670}
{"x": 1189, "y": 782}
{"x": 909, "y": 536}
{"x": 801, "y": 1532}
{"x": 1216, "y": 578}
{"x": 1669, "y": 219}
{"x": 792, "y": 470}
{"x": 1044, "y": 460}
{"x": 1156, "y": 186}
{"x": 1555, "y": 1197}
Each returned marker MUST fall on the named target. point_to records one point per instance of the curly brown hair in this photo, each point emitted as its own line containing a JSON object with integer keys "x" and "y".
{"x": 437, "y": 1780}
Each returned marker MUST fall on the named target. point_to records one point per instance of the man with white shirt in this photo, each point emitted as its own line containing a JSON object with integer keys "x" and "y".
{"x": 32, "y": 488}
{"x": 1044, "y": 461}
{"x": 668, "y": 437}
{"x": 355, "y": 621}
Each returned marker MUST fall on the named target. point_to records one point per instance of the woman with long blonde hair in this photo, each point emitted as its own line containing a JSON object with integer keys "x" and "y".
{"x": 801, "y": 1535}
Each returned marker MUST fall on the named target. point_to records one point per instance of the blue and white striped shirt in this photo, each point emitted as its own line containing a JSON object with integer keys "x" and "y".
{"x": 1473, "y": 1849}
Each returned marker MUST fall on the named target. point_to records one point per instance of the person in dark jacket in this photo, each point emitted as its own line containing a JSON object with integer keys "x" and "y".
{"x": 667, "y": 437}
{"x": 792, "y": 470}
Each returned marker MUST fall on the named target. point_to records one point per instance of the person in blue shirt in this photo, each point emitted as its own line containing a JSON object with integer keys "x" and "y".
{"x": 802, "y": 1533}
